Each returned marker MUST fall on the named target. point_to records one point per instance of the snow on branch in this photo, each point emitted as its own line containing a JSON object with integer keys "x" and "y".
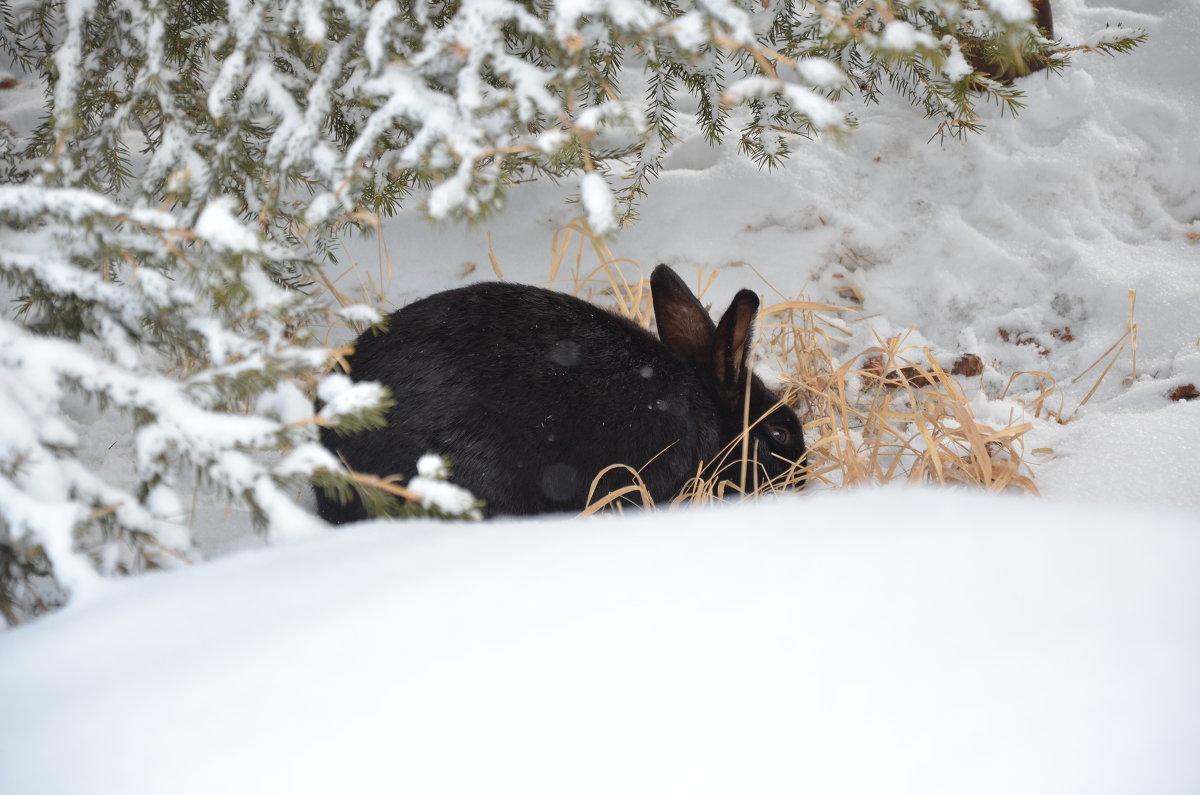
{"x": 113, "y": 293}
{"x": 311, "y": 111}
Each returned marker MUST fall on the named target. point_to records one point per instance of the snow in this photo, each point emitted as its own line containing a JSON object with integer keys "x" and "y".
{"x": 1012, "y": 10}
{"x": 956, "y": 65}
{"x": 1145, "y": 454}
{"x": 924, "y": 641}
{"x": 445, "y": 497}
{"x": 430, "y": 484}
{"x": 902, "y": 37}
{"x": 597, "y": 200}
{"x": 823, "y": 114}
{"x": 821, "y": 73}
{"x": 381, "y": 15}
{"x": 628, "y": 14}
{"x": 552, "y": 141}
{"x": 591, "y": 120}
{"x": 1107, "y": 36}
{"x": 286, "y": 403}
{"x": 360, "y": 313}
{"x": 218, "y": 225}
{"x": 342, "y": 396}
{"x": 232, "y": 69}
{"x": 902, "y": 642}
{"x": 433, "y": 466}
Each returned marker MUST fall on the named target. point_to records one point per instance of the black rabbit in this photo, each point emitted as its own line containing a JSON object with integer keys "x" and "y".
{"x": 531, "y": 393}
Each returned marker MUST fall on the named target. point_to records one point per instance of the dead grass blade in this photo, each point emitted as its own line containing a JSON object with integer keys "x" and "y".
{"x": 615, "y": 498}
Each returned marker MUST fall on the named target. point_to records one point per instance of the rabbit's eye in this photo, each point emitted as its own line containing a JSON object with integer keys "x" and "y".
{"x": 779, "y": 434}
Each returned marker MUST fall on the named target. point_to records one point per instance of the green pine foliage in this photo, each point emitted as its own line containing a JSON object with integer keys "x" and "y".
{"x": 162, "y": 223}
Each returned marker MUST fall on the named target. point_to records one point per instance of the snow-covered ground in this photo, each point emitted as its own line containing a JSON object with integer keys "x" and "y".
{"x": 929, "y": 642}
{"x": 888, "y": 642}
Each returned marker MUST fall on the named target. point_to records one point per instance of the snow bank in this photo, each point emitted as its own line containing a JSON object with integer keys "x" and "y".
{"x": 920, "y": 642}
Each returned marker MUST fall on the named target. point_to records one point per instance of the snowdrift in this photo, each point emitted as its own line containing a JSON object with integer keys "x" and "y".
{"x": 862, "y": 642}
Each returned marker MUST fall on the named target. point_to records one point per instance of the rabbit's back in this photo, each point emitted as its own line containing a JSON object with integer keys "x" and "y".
{"x": 529, "y": 393}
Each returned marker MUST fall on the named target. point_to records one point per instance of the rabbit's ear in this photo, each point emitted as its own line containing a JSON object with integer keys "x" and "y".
{"x": 683, "y": 325}
{"x": 731, "y": 346}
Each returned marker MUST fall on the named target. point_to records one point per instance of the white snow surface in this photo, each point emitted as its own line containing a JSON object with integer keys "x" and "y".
{"x": 857, "y": 642}
{"x": 919, "y": 642}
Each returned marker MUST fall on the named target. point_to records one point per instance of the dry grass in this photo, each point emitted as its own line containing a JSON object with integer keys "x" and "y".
{"x": 892, "y": 412}
{"x": 884, "y": 414}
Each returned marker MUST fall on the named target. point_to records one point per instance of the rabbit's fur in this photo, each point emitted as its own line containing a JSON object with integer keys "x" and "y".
{"x": 531, "y": 393}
